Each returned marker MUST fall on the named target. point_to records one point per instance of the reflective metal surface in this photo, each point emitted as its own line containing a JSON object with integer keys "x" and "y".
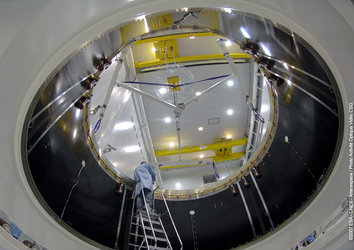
{"x": 312, "y": 129}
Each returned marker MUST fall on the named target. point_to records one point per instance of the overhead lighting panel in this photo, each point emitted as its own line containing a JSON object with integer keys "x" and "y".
{"x": 163, "y": 90}
{"x": 229, "y": 111}
{"x": 167, "y": 119}
{"x": 131, "y": 149}
{"x": 123, "y": 126}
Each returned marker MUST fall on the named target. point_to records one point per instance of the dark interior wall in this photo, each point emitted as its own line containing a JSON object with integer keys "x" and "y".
{"x": 94, "y": 206}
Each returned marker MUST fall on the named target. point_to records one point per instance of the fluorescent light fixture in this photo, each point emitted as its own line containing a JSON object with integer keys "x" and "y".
{"x": 200, "y": 128}
{"x": 229, "y": 111}
{"x": 228, "y": 136}
{"x": 198, "y": 93}
{"x": 178, "y": 185}
{"x": 171, "y": 144}
{"x": 265, "y": 49}
{"x": 131, "y": 149}
{"x": 123, "y": 126}
{"x": 163, "y": 90}
{"x": 228, "y": 43}
{"x": 201, "y": 156}
{"x": 230, "y": 83}
{"x": 245, "y": 33}
{"x": 227, "y": 10}
{"x": 167, "y": 119}
{"x": 191, "y": 37}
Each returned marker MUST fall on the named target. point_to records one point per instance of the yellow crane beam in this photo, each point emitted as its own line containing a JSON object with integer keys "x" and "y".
{"x": 174, "y": 36}
{"x": 206, "y": 147}
{"x": 233, "y": 156}
{"x": 193, "y": 58}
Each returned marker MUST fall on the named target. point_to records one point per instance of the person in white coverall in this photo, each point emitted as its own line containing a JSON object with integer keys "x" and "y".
{"x": 144, "y": 175}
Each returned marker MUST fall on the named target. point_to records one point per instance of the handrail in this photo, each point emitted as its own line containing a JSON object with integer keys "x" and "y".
{"x": 169, "y": 213}
{"x": 148, "y": 214}
{"x": 143, "y": 226}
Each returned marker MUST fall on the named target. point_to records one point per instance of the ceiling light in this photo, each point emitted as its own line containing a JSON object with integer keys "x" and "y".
{"x": 140, "y": 18}
{"x": 230, "y": 83}
{"x": 229, "y": 111}
{"x": 163, "y": 90}
{"x": 198, "y": 93}
{"x": 229, "y": 136}
{"x": 227, "y": 10}
{"x": 265, "y": 49}
{"x": 178, "y": 185}
{"x": 153, "y": 49}
{"x": 201, "y": 156}
{"x": 131, "y": 149}
{"x": 228, "y": 43}
{"x": 191, "y": 37}
{"x": 171, "y": 144}
{"x": 200, "y": 128}
{"x": 123, "y": 126}
{"x": 167, "y": 119}
{"x": 245, "y": 33}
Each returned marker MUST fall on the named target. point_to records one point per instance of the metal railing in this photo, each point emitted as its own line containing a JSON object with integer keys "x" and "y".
{"x": 169, "y": 213}
{"x": 170, "y": 216}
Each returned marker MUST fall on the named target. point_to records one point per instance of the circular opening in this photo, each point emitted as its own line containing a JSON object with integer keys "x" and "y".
{"x": 147, "y": 107}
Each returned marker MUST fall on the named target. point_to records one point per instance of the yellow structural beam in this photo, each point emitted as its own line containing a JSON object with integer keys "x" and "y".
{"x": 190, "y": 59}
{"x": 173, "y": 36}
{"x": 206, "y": 147}
{"x": 182, "y": 59}
{"x": 233, "y": 156}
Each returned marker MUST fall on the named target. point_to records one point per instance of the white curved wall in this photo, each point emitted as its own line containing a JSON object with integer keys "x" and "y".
{"x": 36, "y": 35}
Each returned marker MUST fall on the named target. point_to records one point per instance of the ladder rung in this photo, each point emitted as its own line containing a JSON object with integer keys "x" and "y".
{"x": 158, "y": 248}
{"x": 152, "y": 215}
{"x": 151, "y": 237}
{"x": 155, "y": 229}
{"x": 157, "y": 238}
{"x": 152, "y": 221}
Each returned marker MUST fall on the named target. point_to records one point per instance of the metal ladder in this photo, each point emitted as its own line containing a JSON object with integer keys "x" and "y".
{"x": 147, "y": 230}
